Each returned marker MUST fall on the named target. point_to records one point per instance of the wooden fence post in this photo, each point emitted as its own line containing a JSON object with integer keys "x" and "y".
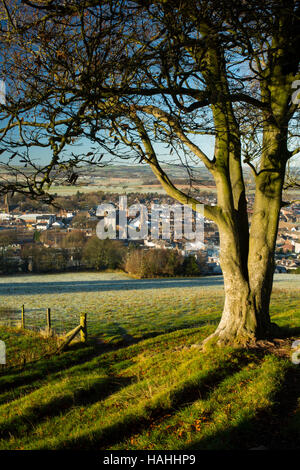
{"x": 69, "y": 337}
{"x": 49, "y": 320}
{"x": 83, "y": 331}
{"x": 23, "y": 317}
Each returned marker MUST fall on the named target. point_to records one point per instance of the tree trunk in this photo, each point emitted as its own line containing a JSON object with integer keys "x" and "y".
{"x": 263, "y": 234}
{"x": 245, "y": 316}
{"x": 241, "y": 322}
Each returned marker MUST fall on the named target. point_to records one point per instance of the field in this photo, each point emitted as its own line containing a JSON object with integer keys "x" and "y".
{"x": 141, "y": 382}
{"x": 119, "y": 187}
{"x": 124, "y": 179}
{"x": 116, "y": 304}
{"x": 119, "y": 306}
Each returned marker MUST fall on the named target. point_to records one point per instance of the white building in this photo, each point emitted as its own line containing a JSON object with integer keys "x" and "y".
{"x": 5, "y": 216}
{"x": 58, "y": 224}
{"x": 194, "y": 246}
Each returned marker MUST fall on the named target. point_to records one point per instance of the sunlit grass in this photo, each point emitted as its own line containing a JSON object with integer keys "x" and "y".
{"x": 158, "y": 394}
{"x": 140, "y": 382}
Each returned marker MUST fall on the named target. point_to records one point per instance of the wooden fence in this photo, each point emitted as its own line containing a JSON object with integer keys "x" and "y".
{"x": 67, "y": 337}
{"x": 64, "y": 340}
{"x": 81, "y": 328}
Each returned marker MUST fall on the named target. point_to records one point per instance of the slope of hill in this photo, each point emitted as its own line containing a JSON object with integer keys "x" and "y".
{"x": 155, "y": 389}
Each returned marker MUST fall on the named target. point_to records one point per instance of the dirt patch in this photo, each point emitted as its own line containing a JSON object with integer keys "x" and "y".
{"x": 278, "y": 346}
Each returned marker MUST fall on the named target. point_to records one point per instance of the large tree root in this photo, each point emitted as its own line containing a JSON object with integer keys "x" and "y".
{"x": 240, "y": 337}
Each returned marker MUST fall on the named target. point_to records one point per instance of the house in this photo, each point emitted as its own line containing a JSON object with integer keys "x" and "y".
{"x": 297, "y": 247}
{"x": 214, "y": 268}
{"x": 58, "y": 224}
{"x": 5, "y": 216}
{"x": 288, "y": 247}
{"x": 31, "y": 219}
{"x": 42, "y": 226}
{"x": 149, "y": 243}
{"x": 48, "y": 218}
{"x": 194, "y": 246}
{"x": 164, "y": 244}
{"x": 280, "y": 269}
{"x": 66, "y": 214}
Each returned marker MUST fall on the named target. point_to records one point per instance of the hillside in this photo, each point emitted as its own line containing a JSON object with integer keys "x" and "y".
{"x": 151, "y": 388}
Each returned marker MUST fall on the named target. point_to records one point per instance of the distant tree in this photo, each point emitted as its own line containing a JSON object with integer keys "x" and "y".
{"x": 154, "y": 262}
{"x": 39, "y": 259}
{"x": 74, "y": 242}
{"x": 174, "y": 263}
{"x": 103, "y": 254}
{"x": 53, "y": 238}
{"x": 8, "y": 261}
{"x": 79, "y": 221}
{"x": 37, "y": 236}
{"x": 134, "y": 262}
{"x": 191, "y": 267}
{"x": 74, "y": 239}
{"x": 83, "y": 221}
{"x": 8, "y": 238}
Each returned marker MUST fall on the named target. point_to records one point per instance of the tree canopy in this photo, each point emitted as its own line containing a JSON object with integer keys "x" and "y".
{"x": 134, "y": 75}
{"x": 130, "y": 75}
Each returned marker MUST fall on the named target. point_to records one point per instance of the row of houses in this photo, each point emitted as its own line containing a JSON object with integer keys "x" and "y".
{"x": 288, "y": 242}
{"x": 287, "y": 265}
{"x": 36, "y": 221}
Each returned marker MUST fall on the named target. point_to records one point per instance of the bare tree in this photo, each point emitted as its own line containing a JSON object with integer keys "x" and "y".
{"x": 131, "y": 76}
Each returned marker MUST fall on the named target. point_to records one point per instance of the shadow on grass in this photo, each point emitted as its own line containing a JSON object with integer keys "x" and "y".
{"x": 74, "y": 286}
{"x": 273, "y": 428}
{"x": 76, "y": 355}
{"x": 100, "y": 389}
{"x": 11, "y": 379}
{"x": 185, "y": 395}
{"x": 289, "y": 332}
{"x": 115, "y": 330}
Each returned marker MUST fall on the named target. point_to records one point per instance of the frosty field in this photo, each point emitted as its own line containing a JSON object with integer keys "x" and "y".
{"x": 138, "y": 382}
{"x": 122, "y": 308}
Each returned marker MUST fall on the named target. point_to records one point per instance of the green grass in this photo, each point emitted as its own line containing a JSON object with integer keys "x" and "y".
{"x": 25, "y": 346}
{"x": 159, "y": 392}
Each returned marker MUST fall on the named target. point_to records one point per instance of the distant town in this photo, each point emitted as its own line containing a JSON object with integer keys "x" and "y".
{"x": 67, "y": 227}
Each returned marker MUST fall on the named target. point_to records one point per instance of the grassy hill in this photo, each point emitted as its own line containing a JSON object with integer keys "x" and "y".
{"x": 152, "y": 388}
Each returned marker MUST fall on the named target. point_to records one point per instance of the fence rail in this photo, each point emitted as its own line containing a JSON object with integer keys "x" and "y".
{"x": 37, "y": 319}
{"x": 42, "y": 321}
